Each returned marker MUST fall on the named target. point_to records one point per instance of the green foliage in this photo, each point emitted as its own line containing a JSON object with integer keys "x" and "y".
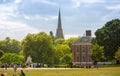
{"x": 51, "y": 34}
{"x": 59, "y": 41}
{"x": 10, "y": 46}
{"x": 97, "y": 53}
{"x": 62, "y": 51}
{"x": 12, "y": 58}
{"x": 117, "y": 54}
{"x": 39, "y": 47}
{"x": 94, "y": 41}
{"x": 67, "y": 59}
{"x": 109, "y": 37}
{"x": 1, "y": 53}
{"x": 70, "y": 41}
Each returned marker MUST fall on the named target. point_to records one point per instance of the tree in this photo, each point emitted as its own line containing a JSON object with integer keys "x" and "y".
{"x": 117, "y": 55}
{"x": 15, "y": 46}
{"x": 97, "y": 53}
{"x": 67, "y": 59}
{"x": 39, "y": 47}
{"x": 109, "y": 37}
{"x": 3, "y": 46}
{"x": 51, "y": 34}
{"x": 62, "y": 50}
{"x": 58, "y": 55}
{"x": 1, "y": 53}
{"x": 10, "y": 45}
{"x": 59, "y": 41}
{"x": 12, "y": 58}
{"x": 70, "y": 41}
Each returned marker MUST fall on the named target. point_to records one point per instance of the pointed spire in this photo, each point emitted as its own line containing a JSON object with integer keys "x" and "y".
{"x": 59, "y": 19}
{"x": 59, "y": 31}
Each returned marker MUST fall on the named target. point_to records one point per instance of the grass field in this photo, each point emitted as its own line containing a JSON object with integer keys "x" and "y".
{"x": 109, "y": 71}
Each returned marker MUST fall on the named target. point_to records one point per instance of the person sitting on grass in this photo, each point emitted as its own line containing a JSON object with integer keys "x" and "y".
{"x": 2, "y": 74}
{"x": 22, "y": 73}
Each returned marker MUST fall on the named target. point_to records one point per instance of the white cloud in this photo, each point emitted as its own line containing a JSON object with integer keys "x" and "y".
{"x": 7, "y": 10}
{"x": 17, "y": 1}
{"x": 115, "y": 7}
{"x": 93, "y": 1}
{"x": 39, "y": 17}
{"x": 112, "y": 15}
{"x": 77, "y": 3}
{"x": 46, "y": 2}
{"x": 26, "y": 17}
{"x": 71, "y": 36}
{"x": 115, "y": 12}
{"x": 15, "y": 29}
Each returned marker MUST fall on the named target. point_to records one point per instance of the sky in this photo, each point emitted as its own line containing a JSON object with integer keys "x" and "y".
{"x": 20, "y": 17}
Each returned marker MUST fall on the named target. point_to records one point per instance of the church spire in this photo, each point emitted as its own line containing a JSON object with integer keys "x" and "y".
{"x": 59, "y": 31}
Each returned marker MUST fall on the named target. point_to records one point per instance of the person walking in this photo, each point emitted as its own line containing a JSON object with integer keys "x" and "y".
{"x": 14, "y": 69}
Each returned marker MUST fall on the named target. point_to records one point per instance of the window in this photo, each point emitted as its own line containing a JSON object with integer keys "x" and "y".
{"x": 83, "y": 59}
{"x": 83, "y": 49}
{"x": 77, "y": 59}
{"x": 77, "y": 49}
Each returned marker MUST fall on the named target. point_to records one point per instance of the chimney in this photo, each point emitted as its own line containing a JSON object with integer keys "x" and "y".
{"x": 88, "y": 32}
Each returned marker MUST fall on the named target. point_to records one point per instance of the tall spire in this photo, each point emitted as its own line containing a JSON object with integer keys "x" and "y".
{"x": 59, "y": 31}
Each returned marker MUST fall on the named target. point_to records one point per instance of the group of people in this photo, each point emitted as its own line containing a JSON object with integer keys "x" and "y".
{"x": 14, "y": 71}
{"x": 21, "y": 73}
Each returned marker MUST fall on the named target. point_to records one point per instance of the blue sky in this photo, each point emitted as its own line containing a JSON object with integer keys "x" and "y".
{"x": 20, "y": 17}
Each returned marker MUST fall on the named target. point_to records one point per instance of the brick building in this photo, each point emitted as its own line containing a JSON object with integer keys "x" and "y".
{"x": 81, "y": 51}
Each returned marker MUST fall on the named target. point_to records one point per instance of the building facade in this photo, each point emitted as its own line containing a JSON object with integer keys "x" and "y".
{"x": 81, "y": 51}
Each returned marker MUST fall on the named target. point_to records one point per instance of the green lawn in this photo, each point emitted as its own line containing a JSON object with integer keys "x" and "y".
{"x": 109, "y": 71}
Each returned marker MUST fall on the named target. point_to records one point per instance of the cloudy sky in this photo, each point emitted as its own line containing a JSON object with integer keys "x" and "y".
{"x": 20, "y": 17}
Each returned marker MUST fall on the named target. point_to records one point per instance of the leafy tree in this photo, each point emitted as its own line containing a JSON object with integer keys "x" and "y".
{"x": 65, "y": 49}
{"x": 109, "y": 37}
{"x": 61, "y": 51}
{"x": 117, "y": 55}
{"x": 1, "y": 53}
{"x": 51, "y": 34}
{"x": 70, "y": 41}
{"x": 58, "y": 55}
{"x": 12, "y": 58}
{"x": 15, "y": 46}
{"x": 10, "y": 45}
{"x": 3, "y": 46}
{"x": 39, "y": 47}
{"x": 59, "y": 41}
{"x": 67, "y": 59}
{"x": 93, "y": 41}
{"x": 97, "y": 53}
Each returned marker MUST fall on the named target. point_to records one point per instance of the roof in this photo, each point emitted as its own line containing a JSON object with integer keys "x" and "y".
{"x": 84, "y": 39}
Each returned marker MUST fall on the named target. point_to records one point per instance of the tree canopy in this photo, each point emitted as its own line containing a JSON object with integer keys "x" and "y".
{"x": 109, "y": 37}
{"x": 117, "y": 54}
{"x": 10, "y": 45}
{"x": 39, "y": 47}
{"x": 97, "y": 53}
{"x": 12, "y": 58}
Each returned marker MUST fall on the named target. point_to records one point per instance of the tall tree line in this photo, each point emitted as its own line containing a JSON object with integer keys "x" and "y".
{"x": 41, "y": 47}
